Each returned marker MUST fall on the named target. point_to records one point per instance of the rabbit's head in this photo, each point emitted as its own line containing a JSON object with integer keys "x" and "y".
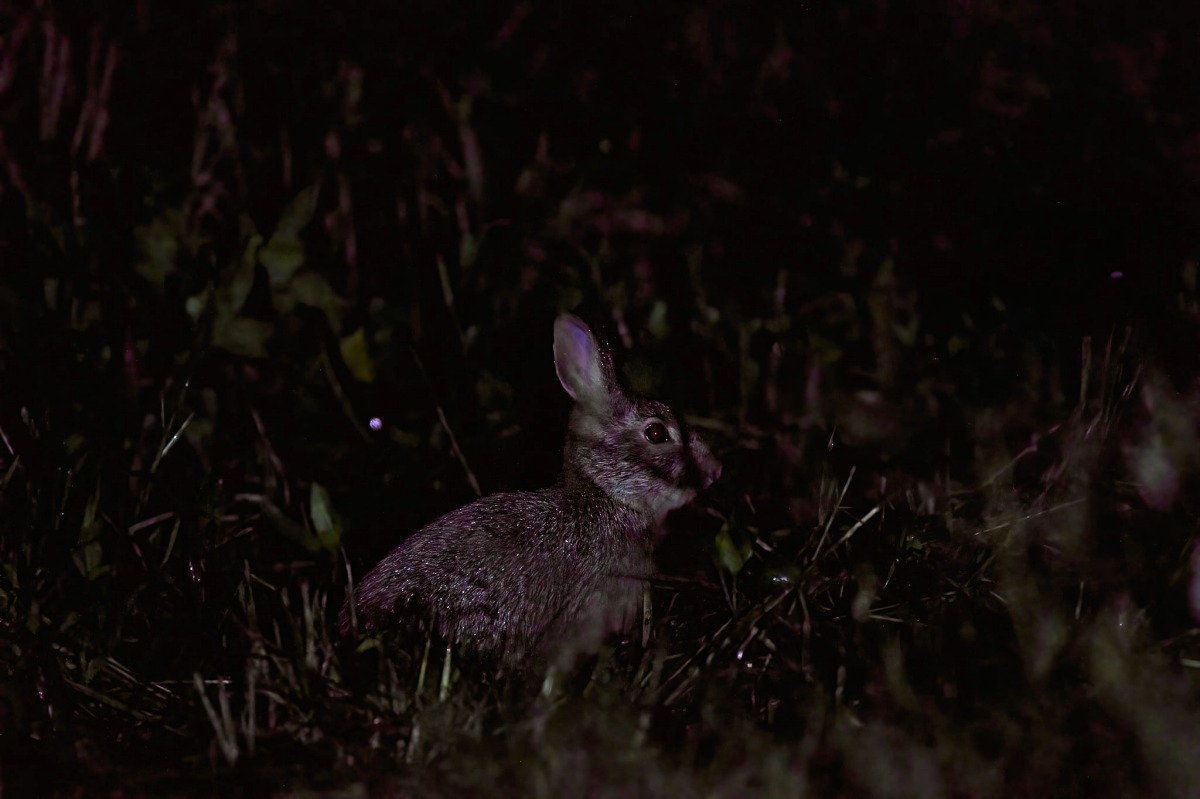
{"x": 637, "y": 451}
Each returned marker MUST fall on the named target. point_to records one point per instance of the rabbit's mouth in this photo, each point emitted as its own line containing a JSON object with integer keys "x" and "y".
{"x": 660, "y": 503}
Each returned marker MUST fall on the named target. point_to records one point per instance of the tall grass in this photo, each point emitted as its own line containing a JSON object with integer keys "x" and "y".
{"x": 277, "y": 290}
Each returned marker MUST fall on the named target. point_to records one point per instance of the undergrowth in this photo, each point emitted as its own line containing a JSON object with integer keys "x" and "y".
{"x": 266, "y": 309}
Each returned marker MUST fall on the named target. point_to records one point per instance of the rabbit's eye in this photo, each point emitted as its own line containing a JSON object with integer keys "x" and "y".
{"x": 657, "y": 433}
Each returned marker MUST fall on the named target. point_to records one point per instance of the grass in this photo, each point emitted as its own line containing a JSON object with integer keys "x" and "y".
{"x": 266, "y": 323}
{"x": 1026, "y": 634}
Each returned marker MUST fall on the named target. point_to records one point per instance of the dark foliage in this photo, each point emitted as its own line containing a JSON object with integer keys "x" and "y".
{"x": 276, "y": 287}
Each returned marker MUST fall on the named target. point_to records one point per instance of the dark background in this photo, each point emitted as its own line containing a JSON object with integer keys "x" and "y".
{"x": 898, "y": 244}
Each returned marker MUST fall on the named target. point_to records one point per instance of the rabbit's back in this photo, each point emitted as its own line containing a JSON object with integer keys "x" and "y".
{"x": 516, "y": 574}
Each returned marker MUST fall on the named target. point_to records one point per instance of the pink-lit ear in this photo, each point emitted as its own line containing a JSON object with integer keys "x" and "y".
{"x": 577, "y": 359}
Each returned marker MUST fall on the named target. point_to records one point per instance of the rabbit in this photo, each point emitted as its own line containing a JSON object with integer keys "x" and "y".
{"x": 552, "y": 573}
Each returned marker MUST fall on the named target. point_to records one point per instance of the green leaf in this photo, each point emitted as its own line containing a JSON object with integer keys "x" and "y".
{"x": 198, "y": 304}
{"x": 158, "y": 243}
{"x": 296, "y": 533}
{"x": 358, "y": 360}
{"x": 243, "y": 277}
{"x": 284, "y": 253}
{"x": 310, "y": 288}
{"x": 825, "y": 350}
{"x": 325, "y": 519}
{"x": 731, "y": 555}
{"x": 447, "y": 286}
{"x": 297, "y": 215}
{"x": 657, "y": 324}
{"x": 89, "y": 554}
{"x": 246, "y": 337}
{"x": 468, "y": 251}
{"x": 282, "y": 259}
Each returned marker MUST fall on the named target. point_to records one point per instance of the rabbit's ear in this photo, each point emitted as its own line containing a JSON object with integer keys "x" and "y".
{"x": 583, "y": 367}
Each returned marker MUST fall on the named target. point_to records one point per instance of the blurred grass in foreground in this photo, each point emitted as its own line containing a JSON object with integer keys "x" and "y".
{"x": 267, "y": 307}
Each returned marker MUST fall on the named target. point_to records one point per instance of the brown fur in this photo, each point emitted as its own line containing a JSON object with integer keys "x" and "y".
{"x": 551, "y": 572}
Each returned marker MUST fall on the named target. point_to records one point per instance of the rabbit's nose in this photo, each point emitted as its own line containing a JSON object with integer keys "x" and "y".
{"x": 707, "y": 467}
{"x": 711, "y": 470}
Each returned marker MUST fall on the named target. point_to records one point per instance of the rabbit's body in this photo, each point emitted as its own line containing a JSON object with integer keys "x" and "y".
{"x": 512, "y": 570}
{"x": 552, "y": 572}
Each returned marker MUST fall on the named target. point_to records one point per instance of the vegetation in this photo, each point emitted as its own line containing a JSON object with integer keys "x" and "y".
{"x": 276, "y": 289}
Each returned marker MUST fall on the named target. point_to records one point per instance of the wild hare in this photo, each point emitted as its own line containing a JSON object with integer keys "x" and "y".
{"x": 547, "y": 575}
